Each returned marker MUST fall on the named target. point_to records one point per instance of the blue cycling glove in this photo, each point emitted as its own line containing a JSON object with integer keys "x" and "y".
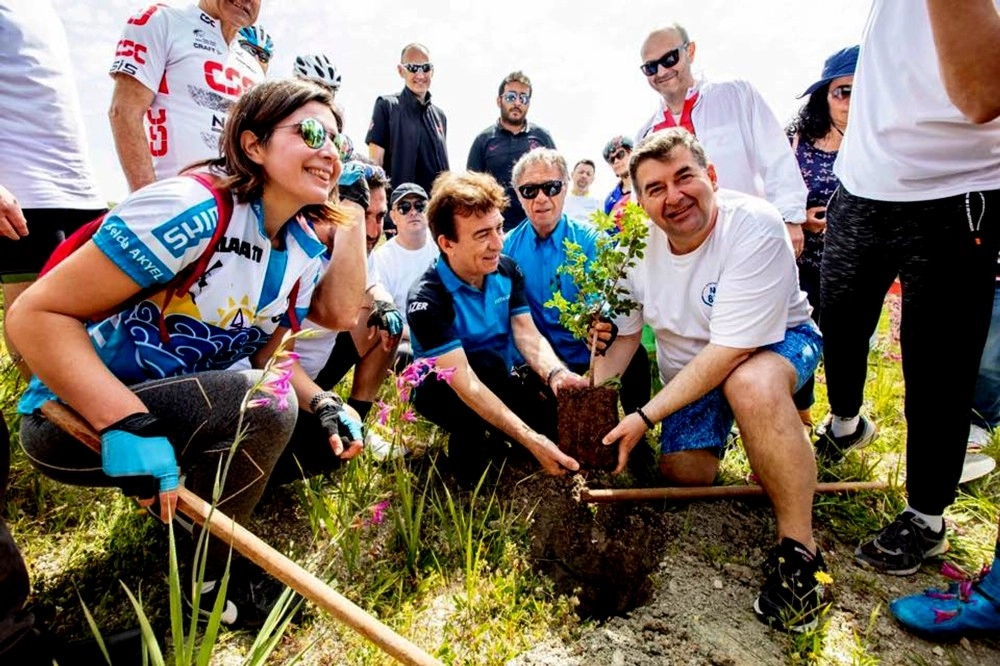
{"x": 337, "y": 421}
{"x": 352, "y": 185}
{"x": 137, "y": 446}
{"x": 386, "y": 317}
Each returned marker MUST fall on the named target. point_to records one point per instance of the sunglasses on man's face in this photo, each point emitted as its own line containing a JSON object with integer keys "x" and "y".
{"x": 510, "y": 97}
{"x": 667, "y": 60}
{"x": 405, "y": 206}
{"x": 842, "y": 92}
{"x": 550, "y": 187}
{"x": 413, "y": 68}
{"x": 261, "y": 54}
{"x": 620, "y": 155}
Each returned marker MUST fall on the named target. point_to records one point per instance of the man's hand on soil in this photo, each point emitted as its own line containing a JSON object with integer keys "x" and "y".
{"x": 567, "y": 379}
{"x": 553, "y": 461}
{"x": 629, "y": 431}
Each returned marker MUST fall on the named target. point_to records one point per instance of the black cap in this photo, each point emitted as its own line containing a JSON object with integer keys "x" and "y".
{"x": 406, "y": 189}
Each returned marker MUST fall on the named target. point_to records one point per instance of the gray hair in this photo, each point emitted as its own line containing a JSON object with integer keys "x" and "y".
{"x": 658, "y": 146}
{"x": 545, "y": 156}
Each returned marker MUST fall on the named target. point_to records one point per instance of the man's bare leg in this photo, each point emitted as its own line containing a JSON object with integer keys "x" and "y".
{"x": 696, "y": 467}
{"x": 760, "y": 394}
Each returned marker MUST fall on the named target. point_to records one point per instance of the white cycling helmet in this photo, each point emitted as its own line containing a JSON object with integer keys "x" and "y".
{"x": 318, "y": 68}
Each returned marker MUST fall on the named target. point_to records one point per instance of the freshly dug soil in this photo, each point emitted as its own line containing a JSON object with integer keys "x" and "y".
{"x": 603, "y": 555}
{"x": 586, "y": 416}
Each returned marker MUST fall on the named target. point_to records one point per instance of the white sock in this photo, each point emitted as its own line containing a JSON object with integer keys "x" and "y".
{"x": 842, "y": 426}
{"x": 935, "y": 523}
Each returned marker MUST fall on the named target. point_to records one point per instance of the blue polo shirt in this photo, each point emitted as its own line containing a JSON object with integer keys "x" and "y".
{"x": 445, "y": 313}
{"x": 538, "y": 259}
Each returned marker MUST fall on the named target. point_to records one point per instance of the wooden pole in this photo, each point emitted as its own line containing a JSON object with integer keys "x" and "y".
{"x": 266, "y": 557}
{"x": 714, "y": 492}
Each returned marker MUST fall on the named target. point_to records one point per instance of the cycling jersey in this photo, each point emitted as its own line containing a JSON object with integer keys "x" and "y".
{"x": 180, "y": 54}
{"x": 228, "y": 314}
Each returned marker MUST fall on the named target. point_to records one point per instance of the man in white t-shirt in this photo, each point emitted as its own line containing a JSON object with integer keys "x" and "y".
{"x": 730, "y": 118}
{"x": 919, "y": 197}
{"x": 177, "y": 71}
{"x": 408, "y": 254}
{"x": 579, "y": 204}
{"x": 733, "y": 340}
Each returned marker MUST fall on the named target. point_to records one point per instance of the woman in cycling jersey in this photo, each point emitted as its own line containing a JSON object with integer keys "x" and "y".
{"x": 105, "y": 333}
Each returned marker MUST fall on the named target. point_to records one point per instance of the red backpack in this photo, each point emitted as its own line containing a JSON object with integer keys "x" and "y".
{"x": 186, "y": 278}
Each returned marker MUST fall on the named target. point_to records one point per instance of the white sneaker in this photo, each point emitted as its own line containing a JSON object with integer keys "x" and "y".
{"x": 979, "y": 438}
{"x": 382, "y": 449}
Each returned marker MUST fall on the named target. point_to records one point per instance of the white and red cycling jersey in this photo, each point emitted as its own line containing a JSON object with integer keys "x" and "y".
{"x": 181, "y": 55}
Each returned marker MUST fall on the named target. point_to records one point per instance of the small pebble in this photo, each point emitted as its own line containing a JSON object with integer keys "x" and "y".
{"x": 938, "y": 651}
{"x": 717, "y": 584}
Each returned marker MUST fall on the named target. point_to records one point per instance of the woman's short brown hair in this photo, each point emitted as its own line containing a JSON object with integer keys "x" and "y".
{"x": 464, "y": 193}
{"x": 259, "y": 110}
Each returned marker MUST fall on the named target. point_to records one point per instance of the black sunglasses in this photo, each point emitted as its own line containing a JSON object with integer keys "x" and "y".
{"x": 668, "y": 60}
{"x": 261, "y": 54}
{"x": 621, "y": 154}
{"x": 404, "y": 206}
{"x": 550, "y": 187}
{"x": 413, "y": 68}
{"x": 842, "y": 92}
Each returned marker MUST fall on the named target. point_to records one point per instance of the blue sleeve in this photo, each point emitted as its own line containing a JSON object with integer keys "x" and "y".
{"x": 159, "y": 229}
{"x": 430, "y": 313}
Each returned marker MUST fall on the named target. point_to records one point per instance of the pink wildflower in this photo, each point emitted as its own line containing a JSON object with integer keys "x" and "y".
{"x": 404, "y": 394}
{"x": 445, "y": 374}
{"x": 378, "y": 513}
{"x": 279, "y": 385}
{"x": 258, "y": 402}
{"x": 409, "y": 416}
{"x": 383, "y": 412}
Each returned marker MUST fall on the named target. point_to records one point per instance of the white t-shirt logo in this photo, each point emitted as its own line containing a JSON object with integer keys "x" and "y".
{"x": 708, "y": 294}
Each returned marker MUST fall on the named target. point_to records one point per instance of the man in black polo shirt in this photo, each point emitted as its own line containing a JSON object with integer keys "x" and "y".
{"x": 469, "y": 311}
{"x": 407, "y": 133}
{"x": 499, "y": 146}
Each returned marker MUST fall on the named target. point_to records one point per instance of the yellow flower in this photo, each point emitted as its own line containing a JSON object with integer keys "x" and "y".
{"x": 823, "y": 578}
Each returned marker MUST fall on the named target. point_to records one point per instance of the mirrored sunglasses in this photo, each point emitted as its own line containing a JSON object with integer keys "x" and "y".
{"x": 510, "y": 97}
{"x": 667, "y": 60}
{"x": 842, "y": 92}
{"x": 550, "y": 187}
{"x": 315, "y": 134}
{"x": 404, "y": 207}
{"x": 413, "y": 68}
{"x": 261, "y": 54}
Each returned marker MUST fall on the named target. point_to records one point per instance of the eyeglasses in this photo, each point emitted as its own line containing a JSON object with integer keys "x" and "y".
{"x": 261, "y": 54}
{"x": 550, "y": 187}
{"x": 315, "y": 134}
{"x": 404, "y": 207}
{"x": 510, "y": 97}
{"x": 620, "y": 155}
{"x": 842, "y": 92}
{"x": 667, "y": 60}
{"x": 413, "y": 68}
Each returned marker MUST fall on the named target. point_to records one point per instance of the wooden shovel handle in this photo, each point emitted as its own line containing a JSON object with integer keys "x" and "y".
{"x": 714, "y": 492}
{"x": 250, "y": 546}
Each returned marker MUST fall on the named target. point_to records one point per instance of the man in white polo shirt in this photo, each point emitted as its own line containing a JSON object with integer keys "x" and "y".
{"x": 919, "y": 197}
{"x": 177, "y": 71}
{"x": 730, "y": 118}
{"x": 734, "y": 340}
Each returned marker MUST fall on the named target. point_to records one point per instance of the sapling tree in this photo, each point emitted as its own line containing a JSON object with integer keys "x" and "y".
{"x": 620, "y": 244}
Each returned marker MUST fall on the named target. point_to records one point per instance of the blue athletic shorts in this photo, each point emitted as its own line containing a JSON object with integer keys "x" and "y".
{"x": 706, "y": 422}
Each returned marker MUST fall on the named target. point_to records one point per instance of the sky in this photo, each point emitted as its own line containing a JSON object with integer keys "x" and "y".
{"x": 582, "y": 58}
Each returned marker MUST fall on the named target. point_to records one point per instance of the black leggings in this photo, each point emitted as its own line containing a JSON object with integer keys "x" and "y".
{"x": 948, "y": 277}
{"x": 202, "y": 412}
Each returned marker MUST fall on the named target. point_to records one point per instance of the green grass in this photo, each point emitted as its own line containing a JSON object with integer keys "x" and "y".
{"x": 447, "y": 568}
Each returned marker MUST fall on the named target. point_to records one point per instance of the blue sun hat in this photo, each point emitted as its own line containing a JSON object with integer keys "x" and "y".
{"x": 841, "y": 63}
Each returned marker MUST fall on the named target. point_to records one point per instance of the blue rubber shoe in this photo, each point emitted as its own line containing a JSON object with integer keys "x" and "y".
{"x": 964, "y": 609}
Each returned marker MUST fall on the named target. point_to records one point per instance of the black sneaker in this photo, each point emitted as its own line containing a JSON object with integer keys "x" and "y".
{"x": 902, "y": 546}
{"x": 791, "y": 598}
{"x": 831, "y": 447}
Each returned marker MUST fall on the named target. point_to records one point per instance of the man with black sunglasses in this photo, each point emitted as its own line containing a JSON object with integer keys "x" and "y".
{"x": 408, "y": 133}
{"x": 732, "y": 121}
{"x": 499, "y": 146}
